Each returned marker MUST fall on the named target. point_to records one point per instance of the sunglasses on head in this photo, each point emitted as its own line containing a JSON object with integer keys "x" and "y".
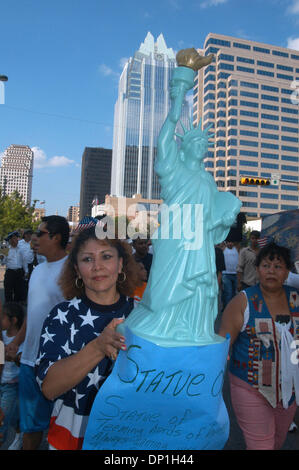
{"x": 40, "y": 233}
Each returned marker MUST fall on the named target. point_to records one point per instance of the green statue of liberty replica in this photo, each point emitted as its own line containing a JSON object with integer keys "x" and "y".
{"x": 180, "y": 304}
{"x": 169, "y": 380}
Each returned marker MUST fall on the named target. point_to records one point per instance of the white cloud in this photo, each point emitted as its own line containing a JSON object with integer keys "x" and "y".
{"x": 212, "y": 3}
{"x": 108, "y": 71}
{"x": 174, "y": 4}
{"x": 42, "y": 161}
{"x": 293, "y": 43}
{"x": 123, "y": 61}
{"x": 294, "y": 7}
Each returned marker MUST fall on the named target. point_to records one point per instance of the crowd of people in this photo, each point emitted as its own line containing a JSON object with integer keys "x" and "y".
{"x": 65, "y": 294}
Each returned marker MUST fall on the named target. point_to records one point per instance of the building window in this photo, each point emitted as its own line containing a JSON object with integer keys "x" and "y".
{"x": 290, "y": 120}
{"x": 249, "y": 94}
{"x": 289, "y": 187}
{"x": 249, "y": 84}
{"x": 249, "y": 123}
{"x": 270, "y": 126}
{"x": 265, "y": 64}
{"x": 248, "y": 153}
{"x": 248, "y": 163}
{"x": 228, "y": 57}
{"x": 217, "y": 42}
{"x": 265, "y": 72}
{"x": 289, "y": 129}
{"x": 241, "y": 46}
{"x": 287, "y": 207}
{"x": 289, "y": 168}
{"x": 269, "y": 146}
{"x": 284, "y": 67}
{"x": 261, "y": 49}
{"x": 245, "y": 69}
{"x": 289, "y": 197}
{"x": 289, "y": 110}
{"x": 243, "y": 112}
{"x": 289, "y": 149}
{"x": 290, "y": 139}
{"x": 249, "y": 103}
{"x": 269, "y": 196}
{"x": 284, "y": 76}
{"x": 249, "y": 204}
{"x": 265, "y": 205}
{"x": 246, "y": 60}
{"x": 270, "y": 98}
{"x": 249, "y": 133}
{"x": 269, "y": 136}
{"x": 289, "y": 158}
{"x": 269, "y": 155}
{"x": 279, "y": 53}
{"x": 271, "y": 166}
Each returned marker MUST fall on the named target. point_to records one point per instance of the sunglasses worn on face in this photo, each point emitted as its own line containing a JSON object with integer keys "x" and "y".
{"x": 40, "y": 233}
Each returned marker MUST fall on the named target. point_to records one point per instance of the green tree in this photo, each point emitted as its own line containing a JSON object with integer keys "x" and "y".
{"x": 15, "y": 214}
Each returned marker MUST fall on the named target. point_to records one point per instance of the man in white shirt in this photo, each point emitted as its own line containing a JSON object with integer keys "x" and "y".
{"x": 16, "y": 269}
{"x": 25, "y": 246}
{"x": 43, "y": 294}
{"x": 229, "y": 276}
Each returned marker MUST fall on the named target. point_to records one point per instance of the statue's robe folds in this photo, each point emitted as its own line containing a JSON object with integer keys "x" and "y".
{"x": 182, "y": 288}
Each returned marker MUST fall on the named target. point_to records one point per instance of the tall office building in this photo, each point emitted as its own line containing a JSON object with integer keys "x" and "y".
{"x": 95, "y": 177}
{"x": 246, "y": 95}
{"x": 141, "y": 108}
{"x": 73, "y": 213}
{"x": 17, "y": 171}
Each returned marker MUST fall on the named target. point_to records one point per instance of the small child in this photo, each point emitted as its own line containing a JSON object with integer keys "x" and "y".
{"x": 12, "y": 320}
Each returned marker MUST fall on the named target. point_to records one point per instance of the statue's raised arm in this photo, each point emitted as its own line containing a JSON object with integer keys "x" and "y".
{"x": 189, "y": 61}
{"x": 179, "y": 305}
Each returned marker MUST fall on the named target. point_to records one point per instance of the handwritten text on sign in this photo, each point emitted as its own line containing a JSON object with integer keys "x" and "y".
{"x": 146, "y": 403}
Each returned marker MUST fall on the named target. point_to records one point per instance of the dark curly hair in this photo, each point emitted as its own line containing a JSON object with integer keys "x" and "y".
{"x": 67, "y": 280}
{"x": 271, "y": 251}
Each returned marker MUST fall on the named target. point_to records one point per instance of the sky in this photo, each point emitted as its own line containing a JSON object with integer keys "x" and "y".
{"x": 63, "y": 59}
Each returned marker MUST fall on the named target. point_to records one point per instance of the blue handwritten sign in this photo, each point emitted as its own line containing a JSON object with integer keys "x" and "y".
{"x": 159, "y": 398}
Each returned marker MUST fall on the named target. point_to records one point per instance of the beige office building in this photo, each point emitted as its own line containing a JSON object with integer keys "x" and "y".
{"x": 248, "y": 95}
{"x": 17, "y": 171}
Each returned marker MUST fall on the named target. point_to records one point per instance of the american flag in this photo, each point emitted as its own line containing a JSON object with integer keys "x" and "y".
{"x": 68, "y": 328}
{"x": 85, "y": 223}
{"x": 263, "y": 242}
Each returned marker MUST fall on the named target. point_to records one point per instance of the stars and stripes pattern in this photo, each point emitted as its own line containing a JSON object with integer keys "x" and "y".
{"x": 263, "y": 241}
{"x": 85, "y": 223}
{"x": 68, "y": 328}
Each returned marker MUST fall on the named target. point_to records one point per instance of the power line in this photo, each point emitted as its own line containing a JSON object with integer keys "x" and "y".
{"x": 56, "y": 115}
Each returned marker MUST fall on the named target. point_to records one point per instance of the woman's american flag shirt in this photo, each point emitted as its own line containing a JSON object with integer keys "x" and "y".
{"x": 66, "y": 330}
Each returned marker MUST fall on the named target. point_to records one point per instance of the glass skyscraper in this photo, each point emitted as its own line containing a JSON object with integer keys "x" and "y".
{"x": 141, "y": 108}
{"x": 246, "y": 94}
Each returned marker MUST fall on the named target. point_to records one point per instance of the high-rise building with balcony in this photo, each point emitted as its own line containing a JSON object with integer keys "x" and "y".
{"x": 246, "y": 95}
{"x": 17, "y": 171}
{"x": 141, "y": 108}
{"x": 73, "y": 213}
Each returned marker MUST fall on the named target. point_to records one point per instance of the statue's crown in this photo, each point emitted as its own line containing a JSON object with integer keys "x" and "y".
{"x": 195, "y": 133}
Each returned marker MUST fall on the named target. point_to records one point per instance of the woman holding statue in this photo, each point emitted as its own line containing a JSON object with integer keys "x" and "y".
{"x": 78, "y": 341}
